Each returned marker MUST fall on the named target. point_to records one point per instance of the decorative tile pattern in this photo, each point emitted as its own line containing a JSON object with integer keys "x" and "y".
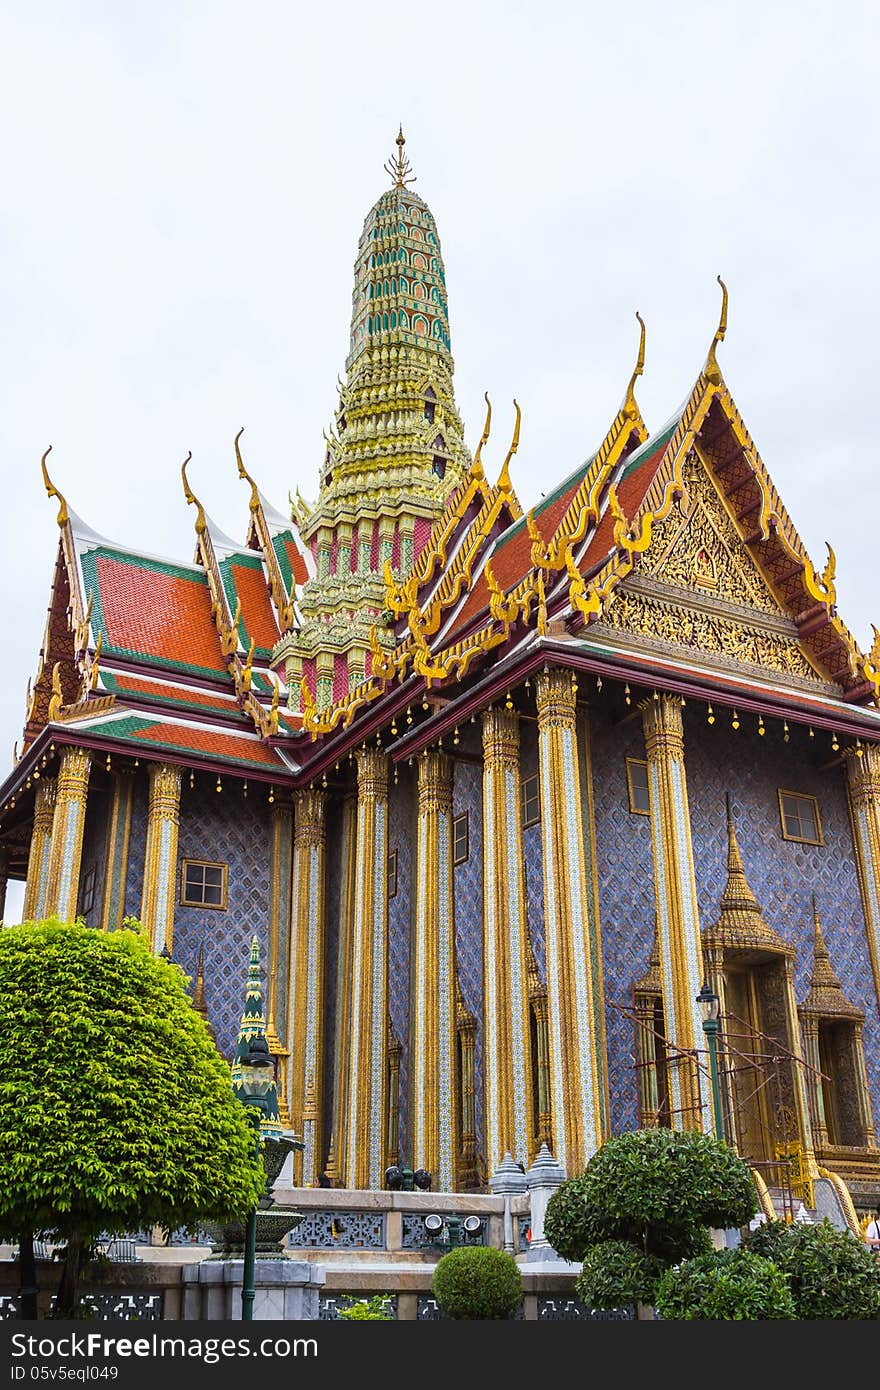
{"x": 229, "y": 828}
{"x": 329, "y": 1304}
{"x": 562, "y": 1309}
{"x": 626, "y": 903}
{"x": 533, "y": 856}
{"x": 137, "y": 846}
{"x": 401, "y": 832}
{"x": 467, "y": 795}
{"x": 339, "y": 1230}
{"x": 94, "y": 852}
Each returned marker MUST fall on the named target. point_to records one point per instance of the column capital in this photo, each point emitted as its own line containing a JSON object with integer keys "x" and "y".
{"x": 435, "y": 782}
{"x": 501, "y": 736}
{"x": 309, "y": 826}
{"x": 664, "y": 727}
{"x": 164, "y": 792}
{"x": 864, "y": 773}
{"x": 44, "y": 805}
{"x": 372, "y": 766}
{"x": 73, "y": 773}
{"x": 556, "y": 698}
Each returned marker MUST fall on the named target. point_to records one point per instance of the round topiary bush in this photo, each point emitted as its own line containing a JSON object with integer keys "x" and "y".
{"x": 657, "y": 1189}
{"x": 617, "y": 1274}
{"x": 728, "y": 1285}
{"x": 477, "y": 1281}
{"x": 832, "y": 1275}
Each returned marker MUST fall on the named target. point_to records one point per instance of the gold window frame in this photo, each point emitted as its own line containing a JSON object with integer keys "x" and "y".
{"x": 799, "y": 796}
{"x": 224, "y": 884}
{"x": 633, "y": 808}
{"x": 527, "y": 823}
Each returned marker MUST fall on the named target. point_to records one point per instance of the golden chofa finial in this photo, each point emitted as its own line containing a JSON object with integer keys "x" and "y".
{"x": 245, "y": 475}
{"x": 504, "y": 476}
{"x": 630, "y": 409}
{"x": 63, "y": 513}
{"x": 201, "y": 523}
{"x": 477, "y": 465}
{"x": 712, "y": 371}
{"x": 398, "y": 166}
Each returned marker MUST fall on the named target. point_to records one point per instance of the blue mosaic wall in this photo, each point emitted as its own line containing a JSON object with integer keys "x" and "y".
{"x": 467, "y": 795}
{"x": 782, "y": 874}
{"x": 626, "y": 903}
{"x": 401, "y": 836}
{"x": 137, "y": 847}
{"x": 94, "y": 852}
{"x": 333, "y": 861}
{"x": 228, "y": 828}
{"x": 533, "y": 854}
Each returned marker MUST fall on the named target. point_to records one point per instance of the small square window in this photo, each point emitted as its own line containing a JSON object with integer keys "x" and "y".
{"x": 88, "y": 889}
{"x": 531, "y": 801}
{"x": 392, "y": 874}
{"x": 461, "y": 838}
{"x": 637, "y": 785}
{"x": 799, "y": 815}
{"x": 203, "y": 884}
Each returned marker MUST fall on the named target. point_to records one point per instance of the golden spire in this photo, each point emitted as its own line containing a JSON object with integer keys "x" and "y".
{"x": 477, "y": 465}
{"x": 504, "y": 476}
{"x": 737, "y": 893}
{"x": 740, "y": 924}
{"x": 245, "y": 475}
{"x": 629, "y": 408}
{"x": 201, "y": 523}
{"x": 712, "y": 370}
{"x": 63, "y": 513}
{"x": 825, "y": 996}
{"x": 398, "y": 166}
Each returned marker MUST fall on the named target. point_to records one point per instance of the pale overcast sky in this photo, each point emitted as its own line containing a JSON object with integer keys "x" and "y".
{"x": 184, "y": 185}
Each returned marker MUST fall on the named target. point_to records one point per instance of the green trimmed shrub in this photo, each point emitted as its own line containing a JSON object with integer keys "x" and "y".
{"x": 657, "y": 1189}
{"x": 832, "y": 1274}
{"x": 477, "y": 1281}
{"x": 728, "y": 1285}
{"x": 617, "y": 1274}
{"x": 372, "y": 1309}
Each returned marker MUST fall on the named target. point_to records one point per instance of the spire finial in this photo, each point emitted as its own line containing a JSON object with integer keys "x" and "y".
{"x": 398, "y": 166}
{"x": 201, "y": 523}
{"x": 712, "y": 369}
{"x": 630, "y": 409}
{"x": 477, "y": 465}
{"x": 245, "y": 475}
{"x": 819, "y": 947}
{"x": 504, "y": 477}
{"x": 63, "y": 514}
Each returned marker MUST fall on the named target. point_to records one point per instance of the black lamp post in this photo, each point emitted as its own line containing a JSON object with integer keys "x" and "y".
{"x": 254, "y": 1079}
{"x": 709, "y": 1005}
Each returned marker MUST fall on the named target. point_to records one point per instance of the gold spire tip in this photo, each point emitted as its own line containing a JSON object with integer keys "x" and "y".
{"x": 51, "y": 489}
{"x": 398, "y": 166}
{"x": 711, "y": 369}
{"x": 629, "y": 401}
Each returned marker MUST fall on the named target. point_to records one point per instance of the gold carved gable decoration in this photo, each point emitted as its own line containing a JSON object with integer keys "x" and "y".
{"x": 702, "y": 551}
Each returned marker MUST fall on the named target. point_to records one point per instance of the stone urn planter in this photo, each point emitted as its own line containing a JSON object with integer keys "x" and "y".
{"x": 273, "y": 1222}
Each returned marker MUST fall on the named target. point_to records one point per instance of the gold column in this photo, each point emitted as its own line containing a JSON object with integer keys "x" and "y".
{"x": 507, "y": 1045}
{"x": 325, "y": 670}
{"x": 818, "y": 1120}
{"x": 339, "y": 1130}
{"x": 649, "y": 1093}
{"x": 281, "y": 833}
{"x": 798, "y": 1070}
{"x": 119, "y": 833}
{"x": 34, "y": 904}
{"x": 367, "y": 1126}
{"x": 68, "y": 824}
{"x": 864, "y": 1097}
{"x": 4, "y": 880}
{"x": 575, "y": 1100}
{"x": 675, "y": 891}
{"x": 392, "y": 1140}
{"x": 160, "y": 861}
{"x": 863, "y": 776}
{"x": 433, "y": 978}
{"x": 306, "y": 1018}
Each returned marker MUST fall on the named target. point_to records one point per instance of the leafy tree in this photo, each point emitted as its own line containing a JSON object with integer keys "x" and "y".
{"x": 658, "y": 1189}
{"x": 832, "y": 1274}
{"x": 733, "y": 1285}
{"x": 116, "y": 1110}
{"x": 477, "y": 1281}
{"x": 616, "y": 1274}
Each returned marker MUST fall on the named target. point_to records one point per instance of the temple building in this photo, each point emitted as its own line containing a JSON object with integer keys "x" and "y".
{"x": 496, "y": 791}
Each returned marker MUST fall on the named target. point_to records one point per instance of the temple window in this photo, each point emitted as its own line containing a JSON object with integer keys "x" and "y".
{"x": 88, "y": 890}
{"x": 799, "y": 815}
{"x": 461, "y": 838}
{"x": 392, "y": 873}
{"x": 203, "y": 884}
{"x": 531, "y": 801}
{"x": 430, "y": 411}
{"x": 439, "y": 466}
{"x": 637, "y": 786}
